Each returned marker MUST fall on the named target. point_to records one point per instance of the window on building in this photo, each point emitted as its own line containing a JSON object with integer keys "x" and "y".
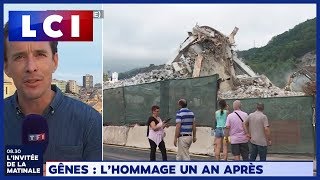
{"x": 6, "y": 90}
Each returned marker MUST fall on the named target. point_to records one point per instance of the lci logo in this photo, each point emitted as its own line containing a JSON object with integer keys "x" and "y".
{"x": 50, "y": 25}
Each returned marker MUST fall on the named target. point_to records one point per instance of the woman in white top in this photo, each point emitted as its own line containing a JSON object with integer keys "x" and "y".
{"x": 156, "y": 134}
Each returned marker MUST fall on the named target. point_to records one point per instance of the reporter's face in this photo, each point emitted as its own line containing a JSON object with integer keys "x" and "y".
{"x": 30, "y": 65}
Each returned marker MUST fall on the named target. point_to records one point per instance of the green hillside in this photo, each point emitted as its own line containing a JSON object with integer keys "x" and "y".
{"x": 133, "y": 72}
{"x": 279, "y": 56}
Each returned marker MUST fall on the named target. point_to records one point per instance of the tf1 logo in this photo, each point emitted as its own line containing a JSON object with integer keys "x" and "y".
{"x": 51, "y": 25}
{"x": 37, "y": 137}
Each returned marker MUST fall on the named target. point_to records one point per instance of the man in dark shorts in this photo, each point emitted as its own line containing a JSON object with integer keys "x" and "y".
{"x": 238, "y": 133}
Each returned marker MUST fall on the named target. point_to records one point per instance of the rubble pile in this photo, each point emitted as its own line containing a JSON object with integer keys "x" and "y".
{"x": 254, "y": 87}
{"x": 155, "y": 75}
{"x": 303, "y": 80}
{"x": 205, "y": 52}
{"x": 256, "y": 91}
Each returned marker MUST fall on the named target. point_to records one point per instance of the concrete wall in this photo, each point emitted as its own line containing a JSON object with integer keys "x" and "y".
{"x": 115, "y": 135}
{"x": 137, "y": 137}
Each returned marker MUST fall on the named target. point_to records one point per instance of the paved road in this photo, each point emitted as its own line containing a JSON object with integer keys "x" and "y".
{"x": 122, "y": 153}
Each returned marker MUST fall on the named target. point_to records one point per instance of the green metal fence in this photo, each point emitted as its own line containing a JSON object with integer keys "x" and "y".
{"x": 113, "y": 106}
{"x": 290, "y": 120}
{"x": 132, "y": 104}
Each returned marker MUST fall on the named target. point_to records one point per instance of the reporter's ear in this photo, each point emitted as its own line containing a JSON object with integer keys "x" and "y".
{"x": 55, "y": 61}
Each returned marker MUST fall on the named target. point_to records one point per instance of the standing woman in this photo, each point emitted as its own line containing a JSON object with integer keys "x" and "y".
{"x": 156, "y": 134}
{"x": 221, "y": 117}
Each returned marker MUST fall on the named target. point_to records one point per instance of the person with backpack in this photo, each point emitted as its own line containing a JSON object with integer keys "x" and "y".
{"x": 155, "y": 134}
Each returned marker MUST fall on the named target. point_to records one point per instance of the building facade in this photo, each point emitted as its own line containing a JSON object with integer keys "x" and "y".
{"x": 62, "y": 85}
{"x": 72, "y": 87}
{"x": 115, "y": 77}
{"x": 88, "y": 81}
{"x": 8, "y": 86}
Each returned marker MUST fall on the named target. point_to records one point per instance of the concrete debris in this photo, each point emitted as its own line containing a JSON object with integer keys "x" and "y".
{"x": 231, "y": 36}
{"x": 167, "y": 72}
{"x": 255, "y": 87}
{"x": 303, "y": 80}
{"x": 256, "y": 81}
{"x": 205, "y": 52}
{"x": 182, "y": 47}
{"x": 210, "y": 52}
{"x": 244, "y": 67}
{"x": 257, "y": 91}
{"x": 176, "y": 66}
{"x": 197, "y": 66}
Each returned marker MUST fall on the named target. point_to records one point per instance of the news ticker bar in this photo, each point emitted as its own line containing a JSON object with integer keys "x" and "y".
{"x": 178, "y": 169}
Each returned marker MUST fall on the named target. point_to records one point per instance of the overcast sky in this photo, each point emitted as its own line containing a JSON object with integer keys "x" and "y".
{"x": 139, "y": 35}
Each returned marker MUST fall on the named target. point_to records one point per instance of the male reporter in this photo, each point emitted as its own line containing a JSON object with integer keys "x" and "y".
{"x": 74, "y": 127}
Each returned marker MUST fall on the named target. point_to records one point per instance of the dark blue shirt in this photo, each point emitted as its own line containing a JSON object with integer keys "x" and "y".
{"x": 75, "y": 128}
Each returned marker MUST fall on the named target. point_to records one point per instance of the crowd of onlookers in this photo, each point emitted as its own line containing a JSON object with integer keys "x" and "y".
{"x": 236, "y": 128}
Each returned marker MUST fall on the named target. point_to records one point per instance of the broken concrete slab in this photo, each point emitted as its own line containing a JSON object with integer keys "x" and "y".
{"x": 182, "y": 47}
{"x": 176, "y": 66}
{"x": 246, "y": 69}
{"x": 231, "y": 36}
{"x": 197, "y": 66}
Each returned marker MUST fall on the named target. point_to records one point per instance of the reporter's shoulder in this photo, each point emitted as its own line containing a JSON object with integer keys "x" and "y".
{"x": 81, "y": 107}
{"x": 9, "y": 104}
{"x": 8, "y": 100}
{"x": 8, "y": 108}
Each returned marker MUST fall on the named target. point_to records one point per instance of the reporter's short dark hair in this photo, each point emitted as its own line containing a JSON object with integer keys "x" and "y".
{"x": 53, "y": 44}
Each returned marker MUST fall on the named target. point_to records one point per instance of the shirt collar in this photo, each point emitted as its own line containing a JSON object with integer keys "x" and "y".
{"x": 57, "y": 98}
{"x": 53, "y": 105}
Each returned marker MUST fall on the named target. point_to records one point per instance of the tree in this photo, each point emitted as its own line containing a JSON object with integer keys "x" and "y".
{"x": 280, "y": 55}
{"x": 105, "y": 77}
